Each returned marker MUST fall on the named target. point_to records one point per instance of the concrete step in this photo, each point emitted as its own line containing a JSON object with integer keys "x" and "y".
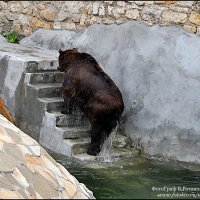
{"x": 76, "y": 119}
{"x": 55, "y": 105}
{"x": 84, "y": 157}
{"x": 47, "y": 77}
{"x": 114, "y": 153}
{"x": 121, "y": 141}
{"x": 124, "y": 152}
{"x": 46, "y": 89}
{"x": 80, "y": 145}
{"x": 76, "y": 132}
{"x": 52, "y": 103}
{"x": 45, "y": 65}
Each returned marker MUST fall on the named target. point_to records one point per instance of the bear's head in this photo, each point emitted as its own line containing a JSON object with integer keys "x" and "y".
{"x": 67, "y": 57}
{"x": 72, "y": 57}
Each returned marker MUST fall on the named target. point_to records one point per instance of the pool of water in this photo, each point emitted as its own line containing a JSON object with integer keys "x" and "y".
{"x": 136, "y": 178}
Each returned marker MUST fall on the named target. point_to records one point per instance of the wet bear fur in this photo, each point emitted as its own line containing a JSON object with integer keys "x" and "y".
{"x": 95, "y": 93}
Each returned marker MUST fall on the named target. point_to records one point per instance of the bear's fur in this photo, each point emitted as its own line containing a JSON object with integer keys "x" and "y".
{"x": 96, "y": 94}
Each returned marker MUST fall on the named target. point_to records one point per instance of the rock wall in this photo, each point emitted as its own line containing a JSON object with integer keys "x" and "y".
{"x": 27, "y": 16}
{"x": 27, "y": 171}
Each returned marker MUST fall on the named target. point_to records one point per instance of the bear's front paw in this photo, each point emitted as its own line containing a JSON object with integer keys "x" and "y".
{"x": 63, "y": 111}
{"x": 92, "y": 153}
{"x": 93, "y": 150}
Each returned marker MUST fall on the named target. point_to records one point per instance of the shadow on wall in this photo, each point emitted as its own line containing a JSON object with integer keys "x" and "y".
{"x": 157, "y": 70}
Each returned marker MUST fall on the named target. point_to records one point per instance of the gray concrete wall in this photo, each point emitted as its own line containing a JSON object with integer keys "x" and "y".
{"x": 157, "y": 70}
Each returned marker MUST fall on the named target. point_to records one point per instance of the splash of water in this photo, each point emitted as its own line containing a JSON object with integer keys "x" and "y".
{"x": 105, "y": 154}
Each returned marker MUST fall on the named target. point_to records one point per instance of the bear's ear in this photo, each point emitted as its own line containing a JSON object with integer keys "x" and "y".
{"x": 61, "y": 52}
{"x": 75, "y": 49}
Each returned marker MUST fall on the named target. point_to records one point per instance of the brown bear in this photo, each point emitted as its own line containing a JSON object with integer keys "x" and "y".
{"x": 95, "y": 92}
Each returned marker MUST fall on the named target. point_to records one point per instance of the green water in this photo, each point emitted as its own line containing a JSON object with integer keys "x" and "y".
{"x": 137, "y": 178}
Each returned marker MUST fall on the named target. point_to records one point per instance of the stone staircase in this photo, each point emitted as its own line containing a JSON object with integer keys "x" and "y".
{"x": 65, "y": 134}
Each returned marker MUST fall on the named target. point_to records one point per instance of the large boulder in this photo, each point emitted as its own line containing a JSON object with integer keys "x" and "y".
{"x": 157, "y": 70}
{"x": 50, "y": 39}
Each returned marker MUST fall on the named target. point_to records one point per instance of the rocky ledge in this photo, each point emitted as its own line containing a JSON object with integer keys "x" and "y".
{"x": 27, "y": 171}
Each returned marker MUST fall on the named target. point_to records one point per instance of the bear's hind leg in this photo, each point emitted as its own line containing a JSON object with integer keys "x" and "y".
{"x": 96, "y": 137}
{"x": 109, "y": 126}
